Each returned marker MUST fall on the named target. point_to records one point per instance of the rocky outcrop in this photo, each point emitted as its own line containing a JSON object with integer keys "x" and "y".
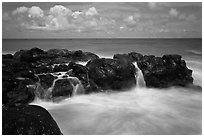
{"x": 45, "y": 74}
{"x": 166, "y": 71}
{"x": 29, "y": 56}
{"x": 36, "y": 68}
{"x": 65, "y": 56}
{"x": 42, "y": 69}
{"x": 62, "y": 88}
{"x": 160, "y": 72}
{"x": 7, "y": 56}
{"x": 46, "y": 80}
{"x": 28, "y": 120}
{"x": 16, "y": 93}
{"x": 81, "y": 72}
{"x": 112, "y": 74}
{"x": 130, "y": 57}
{"x": 60, "y": 67}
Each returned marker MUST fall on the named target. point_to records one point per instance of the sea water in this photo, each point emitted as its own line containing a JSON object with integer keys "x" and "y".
{"x": 140, "y": 110}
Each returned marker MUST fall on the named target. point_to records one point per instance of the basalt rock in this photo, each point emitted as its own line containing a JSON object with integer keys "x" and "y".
{"x": 66, "y": 56}
{"x": 28, "y": 120}
{"x": 52, "y": 53}
{"x": 83, "y": 56}
{"x": 59, "y": 68}
{"x": 46, "y": 80}
{"x": 135, "y": 56}
{"x": 62, "y": 88}
{"x": 16, "y": 93}
{"x": 16, "y": 77}
{"x": 7, "y": 56}
{"x": 29, "y": 56}
{"x": 166, "y": 71}
{"x": 43, "y": 69}
{"x": 130, "y": 57}
{"x": 124, "y": 57}
{"x": 81, "y": 72}
{"x": 112, "y": 73}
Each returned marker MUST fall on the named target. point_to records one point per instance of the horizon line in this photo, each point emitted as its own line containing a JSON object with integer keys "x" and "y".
{"x": 106, "y": 38}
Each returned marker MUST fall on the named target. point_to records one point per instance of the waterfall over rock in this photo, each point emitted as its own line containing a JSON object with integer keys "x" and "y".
{"x": 139, "y": 77}
{"x": 63, "y": 86}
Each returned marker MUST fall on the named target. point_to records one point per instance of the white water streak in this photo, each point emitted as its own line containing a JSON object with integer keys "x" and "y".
{"x": 139, "y": 77}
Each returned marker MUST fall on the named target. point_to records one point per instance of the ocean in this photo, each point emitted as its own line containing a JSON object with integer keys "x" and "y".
{"x": 138, "y": 111}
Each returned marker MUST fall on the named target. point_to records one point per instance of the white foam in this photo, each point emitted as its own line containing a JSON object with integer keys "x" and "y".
{"x": 137, "y": 111}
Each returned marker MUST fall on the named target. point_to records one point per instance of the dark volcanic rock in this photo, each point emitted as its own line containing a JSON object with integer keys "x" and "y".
{"x": 83, "y": 56}
{"x": 28, "y": 120}
{"x": 130, "y": 57}
{"x": 7, "y": 56}
{"x": 81, "y": 72}
{"x": 163, "y": 72}
{"x": 65, "y": 56}
{"x": 135, "y": 56}
{"x": 124, "y": 57}
{"x": 46, "y": 80}
{"x": 112, "y": 74}
{"x": 17, "y": 93}
{"x": 43, "y": 69}
{"x": 29, "y": 56}
{"x": 63, "y": 88}
{"x": 57, "y": 52}
{"x": 59, "y": 68}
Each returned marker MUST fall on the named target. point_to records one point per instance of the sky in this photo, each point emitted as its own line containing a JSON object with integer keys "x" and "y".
{"x": 101, "y": 20}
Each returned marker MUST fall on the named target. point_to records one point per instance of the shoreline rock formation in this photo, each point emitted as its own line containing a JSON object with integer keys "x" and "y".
{"x": 57, "y": 73}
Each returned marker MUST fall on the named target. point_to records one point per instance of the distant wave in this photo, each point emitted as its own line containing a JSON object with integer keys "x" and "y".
{"x": 194, "y": 52}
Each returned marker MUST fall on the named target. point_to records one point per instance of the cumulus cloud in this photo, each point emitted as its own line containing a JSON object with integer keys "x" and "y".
{"x": 130, "y": 20}
{"x": 35, "y": 12}
{"x": 59, "y": 10}
{"x": 75, "y": 14}
{"x": 20, "y": 10}
{"x": 173, "y": 12}
{"x": 91, "y": 12}
{"x": 60, "y": 17}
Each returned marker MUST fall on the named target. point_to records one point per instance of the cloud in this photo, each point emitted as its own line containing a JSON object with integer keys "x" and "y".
{"x": 130, "y": 20}
{"x": 35, "y": 12}
{"x": 91, "y": 12}
{"x": 59, "y": 10}
{"x": 173, "y": 12}
{"x": 20, "y": 10}
{"x": 152, "y": 5}
{"x": 62, "y": 18}
{"x": 98, "y": 18}
{"x": 76, "y": 14}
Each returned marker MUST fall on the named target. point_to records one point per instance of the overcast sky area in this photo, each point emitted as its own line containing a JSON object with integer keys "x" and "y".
{"x": 102, "y": 20}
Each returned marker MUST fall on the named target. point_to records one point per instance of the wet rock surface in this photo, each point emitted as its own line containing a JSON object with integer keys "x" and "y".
{"x": 28, "y": 120}
{"x": 63, "y": 88}
{"x": 46, "y": 80}
{"x": 165, "y": 71}
{"x": 160, "y": 72}
{"x": 112, "y": 74}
